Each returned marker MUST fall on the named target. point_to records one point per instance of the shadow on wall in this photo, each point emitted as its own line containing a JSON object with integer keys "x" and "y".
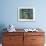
{"x": 2, "y": 26}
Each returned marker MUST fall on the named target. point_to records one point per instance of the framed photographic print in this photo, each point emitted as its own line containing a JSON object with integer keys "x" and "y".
{"x": 26, "y": 14}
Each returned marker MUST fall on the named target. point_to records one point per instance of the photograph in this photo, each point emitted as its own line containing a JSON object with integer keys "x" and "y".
{"x": 26, "y": 14}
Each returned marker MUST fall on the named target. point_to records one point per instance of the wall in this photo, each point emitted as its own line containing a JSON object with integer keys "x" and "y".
{"x": 9, "y": 13}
